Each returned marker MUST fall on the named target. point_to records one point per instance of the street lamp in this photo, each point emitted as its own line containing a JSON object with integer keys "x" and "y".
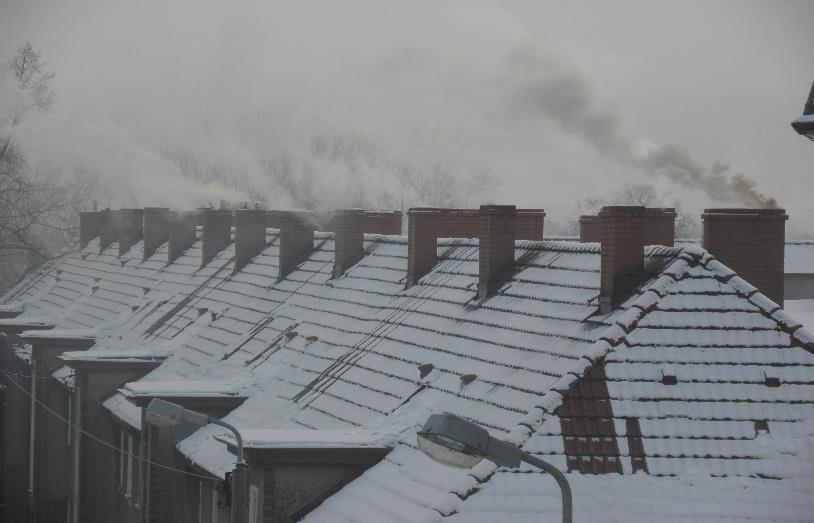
{"x": 805, "y": 124}
{"x": 459, "y": 443}
{"x": 167, "y": 414}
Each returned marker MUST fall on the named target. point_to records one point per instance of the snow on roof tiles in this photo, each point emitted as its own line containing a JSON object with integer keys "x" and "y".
{"x": 343, "y": 354}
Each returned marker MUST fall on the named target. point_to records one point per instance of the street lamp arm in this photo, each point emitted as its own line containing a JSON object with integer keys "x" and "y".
{"x": 238, "y": 437}
{"x": 565, "y": 488}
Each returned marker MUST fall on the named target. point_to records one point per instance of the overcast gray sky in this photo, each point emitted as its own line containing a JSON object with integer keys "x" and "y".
{"x": 519, "y": 86}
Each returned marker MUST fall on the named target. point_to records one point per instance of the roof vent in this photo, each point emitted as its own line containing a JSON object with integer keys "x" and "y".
{"x": 311, "y": 338}
{"x": 466, "y": 379}
{"x": 669, "y": 376}
{"x": 202, "y": 311}
{"x": 772, "y": 378}
{"x": 291, "y": 334}
{"x": 761, "y": 425}
{"x": 424, "y": 369}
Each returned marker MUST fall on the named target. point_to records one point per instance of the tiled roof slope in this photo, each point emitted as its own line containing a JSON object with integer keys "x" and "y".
{"x": 345, "y": 353}
{"x": 740, "y": 405}
{"x": 314, "y": 352}
{"x": 86, "y": 289}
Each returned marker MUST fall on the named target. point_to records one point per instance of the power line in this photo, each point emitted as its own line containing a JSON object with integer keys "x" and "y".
{"x": 99, "y": 440}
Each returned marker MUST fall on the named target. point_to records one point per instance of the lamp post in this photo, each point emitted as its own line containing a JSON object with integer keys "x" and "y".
{"x": 459, "y": 443}
{"x": 167, "y": 414}
{"x": 805, "y": 124}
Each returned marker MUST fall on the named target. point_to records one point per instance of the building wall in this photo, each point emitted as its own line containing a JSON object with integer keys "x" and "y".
{"x": 15, "y": 438}
{"x": 99, "y": 494}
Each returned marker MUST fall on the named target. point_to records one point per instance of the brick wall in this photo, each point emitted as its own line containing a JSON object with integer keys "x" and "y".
{"x": 250, "y": 235}
{"x": 217, "y": 233}
{"x": 90, "y": 226}
{"x": 131, "y": 228}
{"x": 622, "y": 255}
{"x": 751, "y": 242}
{"x": 181, "y": 233}
{"x": 349, "y": 245}
{"x": 496, "y": 253}
{"x": 156, "y": 229}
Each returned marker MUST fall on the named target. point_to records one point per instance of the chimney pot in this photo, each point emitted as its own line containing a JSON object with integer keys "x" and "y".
{"x": 156, "y": 229}
{"x": 622, "y": 255}
{"x": 496, "y": 259}
{"x": 217, "y": 233}
{"x": 751, "y": 242}
{"x": 250, "y": 235}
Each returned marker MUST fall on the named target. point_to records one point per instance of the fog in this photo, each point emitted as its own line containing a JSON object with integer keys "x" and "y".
{"x": 328, "y": 104}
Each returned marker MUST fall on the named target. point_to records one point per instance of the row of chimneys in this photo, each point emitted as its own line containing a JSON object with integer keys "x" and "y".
{"x": 750, "y": 241}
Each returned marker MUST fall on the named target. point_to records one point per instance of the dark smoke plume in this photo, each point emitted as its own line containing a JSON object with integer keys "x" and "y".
{"x": 542, "y": 89}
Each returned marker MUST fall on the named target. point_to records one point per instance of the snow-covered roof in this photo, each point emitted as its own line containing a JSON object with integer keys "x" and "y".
{"x": 361, "y": 354}
{"x": 304, "y": 438}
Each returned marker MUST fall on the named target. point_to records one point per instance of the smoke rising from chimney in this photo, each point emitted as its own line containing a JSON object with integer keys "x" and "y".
{"x": 333, "y": 105}
{"x": 543, "y": 89}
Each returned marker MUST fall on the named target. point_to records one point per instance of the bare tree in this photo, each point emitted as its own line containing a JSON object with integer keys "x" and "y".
{"x": 38, "y": 206}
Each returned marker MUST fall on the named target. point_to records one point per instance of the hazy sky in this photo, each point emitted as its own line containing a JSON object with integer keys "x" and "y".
{"x": 560, "y": 99}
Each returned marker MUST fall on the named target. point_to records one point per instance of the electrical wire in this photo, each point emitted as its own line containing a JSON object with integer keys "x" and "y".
{"x": 101, "y": 441}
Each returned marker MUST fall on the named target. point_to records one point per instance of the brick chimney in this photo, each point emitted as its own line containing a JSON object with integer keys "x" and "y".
{"x": 529, "y": 224}
{"x": 590, "y": 228}
{"x": 383, "y": 222}
{"x": 109, "y": 232}
{"x": 182, "y": 227}
{"x": 496, "y": 253}
{"x": 660, "y": 226}
{"x": 217, "y": 233}
{"x": 349, "y": 243}
{"x": 622, "y": 258}
{"x": 752, "y": 243}
{"x": 90, "y": 226}
{"x": 156, "y": 229}
{"x": 250, "y": 235}
{"x": 131, "y": 228}
{"x": 427, "y": 224}
{"x": 296, "y": 240}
